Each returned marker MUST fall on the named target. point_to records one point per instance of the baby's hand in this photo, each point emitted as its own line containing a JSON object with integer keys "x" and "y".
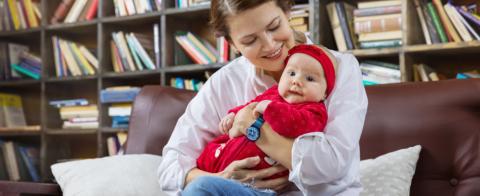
{"x": 226, "y": 123}
{"x": 261, "y": 106}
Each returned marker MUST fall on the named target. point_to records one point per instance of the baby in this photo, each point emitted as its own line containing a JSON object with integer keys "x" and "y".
{"x": 292, "y": 108}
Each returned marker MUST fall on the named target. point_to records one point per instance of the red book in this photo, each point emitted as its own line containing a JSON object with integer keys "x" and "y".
{"x": 61, "y": 11}
{"x": 92, "y": 11}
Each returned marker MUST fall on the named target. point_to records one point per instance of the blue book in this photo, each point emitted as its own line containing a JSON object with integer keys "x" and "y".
{"x": 119, "y": 96}
{"x": 69, "y": 102}
{"x": 30, "y": 163}
{"x": 30, "y": 68}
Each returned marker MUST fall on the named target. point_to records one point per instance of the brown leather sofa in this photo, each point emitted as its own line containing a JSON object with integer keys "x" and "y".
{"x": 443, "y": 117}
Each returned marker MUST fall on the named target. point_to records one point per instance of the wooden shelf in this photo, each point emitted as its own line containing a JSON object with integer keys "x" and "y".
{"x": 21, "y": 32}
{"x": 133, "y": 18}
{"x": 21, "y": 131}
{"x": 112, "y": 130}
{"x": 21, "y": 82}
{"x": 381, "y": 52}
{"x": 71, "y": 131}
{"x": 70, "y": 26}
{"x": 71, "y": 78}
{"x": 186, "y": 11}
{"x": 192, "y": 68}
{"x": 131, "y": 74}
{"x": 452, "y": 47}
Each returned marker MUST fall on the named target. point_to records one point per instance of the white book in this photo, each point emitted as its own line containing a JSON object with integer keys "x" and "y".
{"x": 21, "y": 14}
{"x": 11, "y": 161}
{"x": 130, "y": 5}
{"x": 147, "y": 61}
{"x": 124, "y": 47}
{"x": 457, "y": 22}
{"x": 156, "y": 41}
{"x": 380, "y": 70}
{"x": 89, "y": 56}
{"x": 75, "y": 11}
{"x": 122, "y": 9}
{"x": 372, "y": 4}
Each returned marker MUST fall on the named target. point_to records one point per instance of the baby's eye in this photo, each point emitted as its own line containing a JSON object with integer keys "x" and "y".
{"x": 292, "y": 73}
{"x": 310, "y": 79}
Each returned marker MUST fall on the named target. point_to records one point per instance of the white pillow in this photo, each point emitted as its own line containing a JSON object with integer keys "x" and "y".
{"x": 116, "y": 175}
{"x": 389, "y": 174}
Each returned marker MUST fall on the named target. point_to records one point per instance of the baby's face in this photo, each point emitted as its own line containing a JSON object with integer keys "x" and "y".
{"x": 302, "y": 80}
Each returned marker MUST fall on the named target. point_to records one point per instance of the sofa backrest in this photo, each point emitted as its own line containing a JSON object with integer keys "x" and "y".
{"x": 443, "y": 117}
{"x": 155, "y": 112}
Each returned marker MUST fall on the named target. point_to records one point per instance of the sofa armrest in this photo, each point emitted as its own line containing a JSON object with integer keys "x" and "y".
{"x": 30, "y": 188}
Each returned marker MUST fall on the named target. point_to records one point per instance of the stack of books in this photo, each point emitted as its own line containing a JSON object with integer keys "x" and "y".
{"x": 188, "y": 84}
{"x": 73, "y": 59}
{"x": 341, "y": 20}
{"x": 19, "y": 162}
{"x": 191, "y": 3}
{"x": 130, "y": 7}
{"x": 377, "y": 72}
{"x": 299, "y": 17}
{"x": 378, "y": 24}
{"x": 442, "y": 23}
{"x": 198, "y": 50}
{"x": 77, "y": 113}
{"x": 115, "y": 144}
{"x": 223, "y": 50}
{"x": 70, "y": 11}
{"x": 133, "y": 52}
{"x": 121, "y": 98}
{"x": 16, "y": 61}
{"x": 19, "y": 14}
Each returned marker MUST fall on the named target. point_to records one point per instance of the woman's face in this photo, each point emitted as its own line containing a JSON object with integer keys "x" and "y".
{"x": 263, "y": 36}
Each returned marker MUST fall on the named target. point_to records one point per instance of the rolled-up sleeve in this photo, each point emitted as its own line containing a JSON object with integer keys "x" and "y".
{"x": 194, "y": 128}
{"x": 322, "y": 158}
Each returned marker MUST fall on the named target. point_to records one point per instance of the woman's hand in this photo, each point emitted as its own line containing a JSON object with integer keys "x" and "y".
{"x": 244, "y": 118}
{"x": 239, "y": 170}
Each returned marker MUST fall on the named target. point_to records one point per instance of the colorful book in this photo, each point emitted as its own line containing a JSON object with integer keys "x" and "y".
{"x": 436, "y": 21}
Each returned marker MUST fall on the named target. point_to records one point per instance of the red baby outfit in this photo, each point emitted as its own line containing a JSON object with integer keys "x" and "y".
{"x": 289, "y": 120}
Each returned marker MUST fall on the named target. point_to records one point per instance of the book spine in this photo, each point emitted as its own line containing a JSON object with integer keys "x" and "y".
{"x": 337, "y": 30}
{"x": 457, "y": 22}
{"x": 56, "y": 55}
{"x": 12, "y": 7}
{"x": 92, "y": 10}
{"x": 134, "y": 52}
{"x": 378, "y": 25}
{"x": 431, "y": 27}
{"x": 344, "y": 24}
{"x": 437, "y": 23}
{"x": 451, "y": 33}
{"x": 62, "y": 11}
{"x": 156, "y": 41}
{"x": 381, "y": 44}
{"x": 423, "y": 23}
{"x": 147, "y": 61}
{"x": 469, "y": 28}
{"x": 377, "y": 11}
{"x": 468, "y": 16}
{"x": 25, "y": 72}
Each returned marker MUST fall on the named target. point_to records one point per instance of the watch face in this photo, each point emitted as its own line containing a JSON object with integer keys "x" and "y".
{"x": 253, "y": 133}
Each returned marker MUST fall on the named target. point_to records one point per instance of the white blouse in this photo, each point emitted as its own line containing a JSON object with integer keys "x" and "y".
{"x": 323, "y": 163}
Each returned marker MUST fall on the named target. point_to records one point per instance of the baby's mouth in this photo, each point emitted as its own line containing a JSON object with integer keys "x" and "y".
{"x": 297, "y": 93}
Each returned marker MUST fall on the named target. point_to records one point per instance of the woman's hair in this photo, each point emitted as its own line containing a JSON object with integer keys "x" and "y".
{"x": 221, "y": 9}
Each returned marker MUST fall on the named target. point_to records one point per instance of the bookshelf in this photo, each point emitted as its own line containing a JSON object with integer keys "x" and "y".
{"x": 57, "y": 144}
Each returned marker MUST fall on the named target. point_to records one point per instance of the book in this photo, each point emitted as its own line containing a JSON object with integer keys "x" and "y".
{"x": 435, "y": 37}
{"x": 62, "y": 11}
{"x": 436, "y": 21}
{"x": 423, "y": 23}
{"x": 344, "y": 24}
{"x": 68, "y": 102}
{"x": 12, "y": 109}
{"x": 378, "y": 24}
{"x": 337, "y": 29}
{"x": 384, "y": 3}
{"x": 387, "y": 35}
{"x": 92, "y": 10}
{"x": 378, "y": 11}
{"x": 381, "y": 44}
{"x": 457, "y": 22}
{"x": 118, "y": 96}
{"x": 450, "y": 31}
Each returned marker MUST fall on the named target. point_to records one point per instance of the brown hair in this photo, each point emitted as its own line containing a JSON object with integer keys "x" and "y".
{"x": 221, "y": 9}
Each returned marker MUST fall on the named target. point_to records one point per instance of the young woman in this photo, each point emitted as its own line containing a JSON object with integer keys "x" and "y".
{"x": 319, "y": 163}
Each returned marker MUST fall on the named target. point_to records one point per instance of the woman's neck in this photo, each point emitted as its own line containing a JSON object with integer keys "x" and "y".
{"x": 274, "y": 74}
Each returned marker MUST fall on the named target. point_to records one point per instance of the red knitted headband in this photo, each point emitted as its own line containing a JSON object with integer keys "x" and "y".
{"x": 318, "y": 54}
